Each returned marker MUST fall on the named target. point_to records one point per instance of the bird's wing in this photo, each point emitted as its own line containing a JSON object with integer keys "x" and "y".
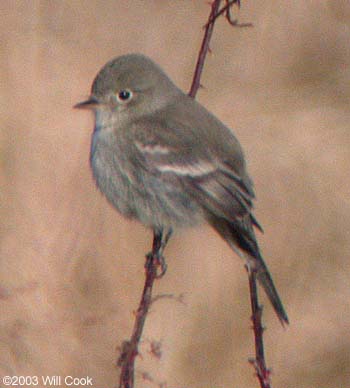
{"x": 176, "y": 155}
{"x": 205, "y": 159}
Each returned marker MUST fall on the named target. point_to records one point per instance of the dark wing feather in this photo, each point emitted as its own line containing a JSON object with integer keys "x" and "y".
{"x": 227, "y": 195}
{"x": 220, "y": 189}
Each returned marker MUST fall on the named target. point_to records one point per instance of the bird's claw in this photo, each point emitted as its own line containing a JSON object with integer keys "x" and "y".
{"x": 158, "y": 260}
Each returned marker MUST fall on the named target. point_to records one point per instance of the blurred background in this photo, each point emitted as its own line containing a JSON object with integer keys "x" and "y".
{"x": 71, "y": 269}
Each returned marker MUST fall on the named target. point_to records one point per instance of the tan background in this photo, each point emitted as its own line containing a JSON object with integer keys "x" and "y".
{"x": 71, "y": 269}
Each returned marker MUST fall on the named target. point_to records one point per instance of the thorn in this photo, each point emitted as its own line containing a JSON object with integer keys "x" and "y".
{"x": 124, "y": 350}
{"x": 147, "y": 377}
{"x": 156, "y": 349}
{"x": 252, "y": 360}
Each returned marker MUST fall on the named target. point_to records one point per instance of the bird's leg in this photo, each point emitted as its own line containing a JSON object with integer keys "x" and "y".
{"x": 160, "y": 239}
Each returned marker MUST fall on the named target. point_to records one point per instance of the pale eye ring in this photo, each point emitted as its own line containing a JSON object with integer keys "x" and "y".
{"x": 124, "y": 95}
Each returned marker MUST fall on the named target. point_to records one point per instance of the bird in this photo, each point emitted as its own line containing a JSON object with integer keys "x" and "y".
{"x": 162, "y": 158}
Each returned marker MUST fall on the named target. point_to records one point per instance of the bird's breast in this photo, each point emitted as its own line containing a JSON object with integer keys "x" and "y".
{"x": 134, "y": 191}
{"x": 109, "y": 169}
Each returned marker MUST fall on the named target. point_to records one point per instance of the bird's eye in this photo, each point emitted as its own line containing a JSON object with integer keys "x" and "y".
{"x": 124, "y": 95}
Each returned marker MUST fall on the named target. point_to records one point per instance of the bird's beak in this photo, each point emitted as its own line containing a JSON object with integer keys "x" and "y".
{"x": 91, "y": 103}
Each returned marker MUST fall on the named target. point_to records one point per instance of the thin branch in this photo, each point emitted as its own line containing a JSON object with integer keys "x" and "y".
{"x": 178, "y": 298}
{"x": 226, "y": 9}
{"x": 262, "y": 372}
{"x": 229, "y": 17}
{"x": 209, "y": 27}
{"x": 130, "y": 348}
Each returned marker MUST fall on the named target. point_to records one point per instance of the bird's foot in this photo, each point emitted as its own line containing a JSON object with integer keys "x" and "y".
{"x": 157, "y": 260}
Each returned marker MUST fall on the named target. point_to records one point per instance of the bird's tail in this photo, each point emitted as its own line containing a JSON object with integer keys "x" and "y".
{"x": 241, "y": 238}
{"x": 265, "y": 279}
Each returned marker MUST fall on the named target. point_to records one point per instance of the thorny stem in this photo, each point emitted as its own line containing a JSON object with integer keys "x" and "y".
{"x": 262, "y": 372}
{"x": 130, "y": 348}
{"x": 204, "y": 49}
{"x": 226, "y": 9}
{"x": 209, "y": 28}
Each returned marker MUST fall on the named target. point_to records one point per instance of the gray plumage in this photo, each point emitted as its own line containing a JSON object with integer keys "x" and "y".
{"x": 160, "y": 157}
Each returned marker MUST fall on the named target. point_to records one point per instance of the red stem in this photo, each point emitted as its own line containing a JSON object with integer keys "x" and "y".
{"x": 209, "y": 27}
{"x": 262, "y": 372}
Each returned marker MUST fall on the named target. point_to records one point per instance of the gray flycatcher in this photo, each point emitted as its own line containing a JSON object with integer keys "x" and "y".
{"x": 160, "y": 157}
